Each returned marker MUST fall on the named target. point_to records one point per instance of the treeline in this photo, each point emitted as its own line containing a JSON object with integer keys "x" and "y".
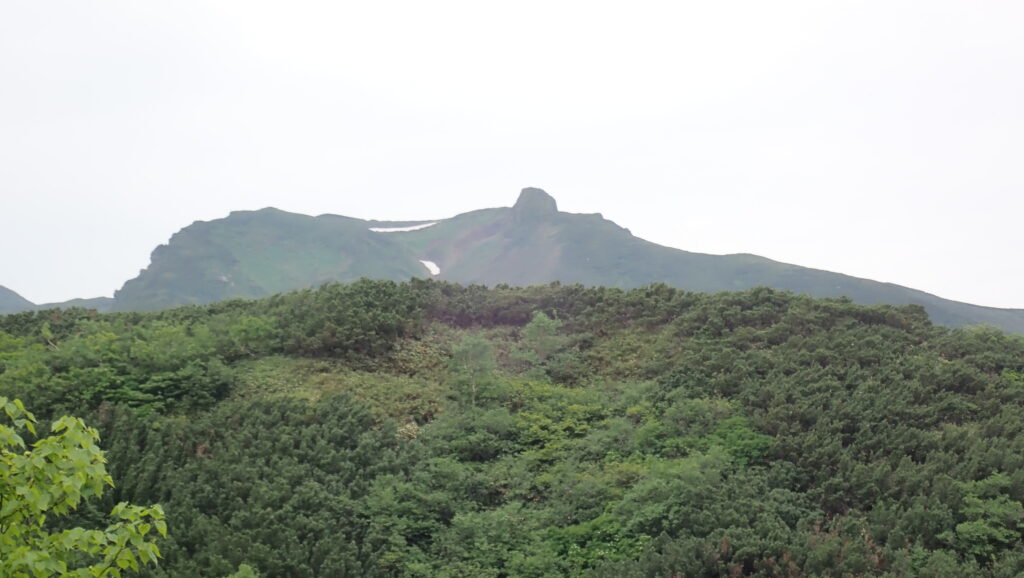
{"x": 430, "y": 429}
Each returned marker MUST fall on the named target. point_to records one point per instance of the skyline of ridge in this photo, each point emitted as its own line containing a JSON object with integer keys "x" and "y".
{"x": 393, "y": 222}
{"x": 253, "y": 254}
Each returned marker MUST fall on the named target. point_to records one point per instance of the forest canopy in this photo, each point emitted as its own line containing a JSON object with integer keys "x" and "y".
{"x": 431, "y": 429}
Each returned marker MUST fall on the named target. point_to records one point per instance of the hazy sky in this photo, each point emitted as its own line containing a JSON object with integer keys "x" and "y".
{"x": 879, "y": 139}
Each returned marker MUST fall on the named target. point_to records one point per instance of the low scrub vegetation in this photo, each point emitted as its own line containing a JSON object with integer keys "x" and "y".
{"x": 431, "y": 429}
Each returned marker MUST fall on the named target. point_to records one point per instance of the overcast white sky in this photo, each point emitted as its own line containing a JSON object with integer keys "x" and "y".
{"x": 879, "y": 139}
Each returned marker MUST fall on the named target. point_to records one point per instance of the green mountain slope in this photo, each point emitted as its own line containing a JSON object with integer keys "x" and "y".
{"x": 533, "y": 243}
{"x": 11, "y": 302}
{"x": 258, "y": 253}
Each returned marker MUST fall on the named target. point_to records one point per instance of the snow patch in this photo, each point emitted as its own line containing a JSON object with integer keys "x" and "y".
{"x": 401, "y": 229}
{"x": 431, "y": 266}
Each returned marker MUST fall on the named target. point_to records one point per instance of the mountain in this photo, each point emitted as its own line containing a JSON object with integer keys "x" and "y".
{"x": 534, "y": 243}
{"x": 101, "y": 304}
{"x": 259, "y": 253}
{"x": 11, "y": 302}
{"x": 251, "y": 254}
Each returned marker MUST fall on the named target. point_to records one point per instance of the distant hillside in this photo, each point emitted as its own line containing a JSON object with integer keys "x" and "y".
{"x": 101, "y": 304}
{"x": 534, "y": 243}
{"x": 11, "y": 302}
{"x": 251, "y": 254}
{"x": 259, "y": 253}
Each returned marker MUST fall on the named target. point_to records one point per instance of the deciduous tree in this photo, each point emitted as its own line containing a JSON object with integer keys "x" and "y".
{"x": 48, "y": 479}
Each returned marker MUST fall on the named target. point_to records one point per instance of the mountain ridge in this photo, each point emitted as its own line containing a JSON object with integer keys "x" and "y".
{"x": 257, "y": 253}
{"x": 11, "y": 302}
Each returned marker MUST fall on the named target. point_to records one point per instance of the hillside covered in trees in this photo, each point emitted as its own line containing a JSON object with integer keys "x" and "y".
{"x": 432, "y": 429}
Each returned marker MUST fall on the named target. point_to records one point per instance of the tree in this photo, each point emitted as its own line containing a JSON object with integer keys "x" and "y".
{"x": 993, "y": 521}
{"x": 540, "y": 336}
{"x": 473, "y": 364}
{"x": 49, "y": 480}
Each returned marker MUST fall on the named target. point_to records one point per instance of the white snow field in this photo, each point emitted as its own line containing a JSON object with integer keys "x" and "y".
{"x": 431, "y": 266}
{"x": 401, "y": 229}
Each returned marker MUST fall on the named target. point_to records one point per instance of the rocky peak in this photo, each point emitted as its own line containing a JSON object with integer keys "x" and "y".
{"x": 534, "y": 203}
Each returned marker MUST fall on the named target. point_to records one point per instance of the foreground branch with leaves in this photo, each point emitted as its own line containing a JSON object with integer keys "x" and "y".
{"x": 49, "y": 479}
